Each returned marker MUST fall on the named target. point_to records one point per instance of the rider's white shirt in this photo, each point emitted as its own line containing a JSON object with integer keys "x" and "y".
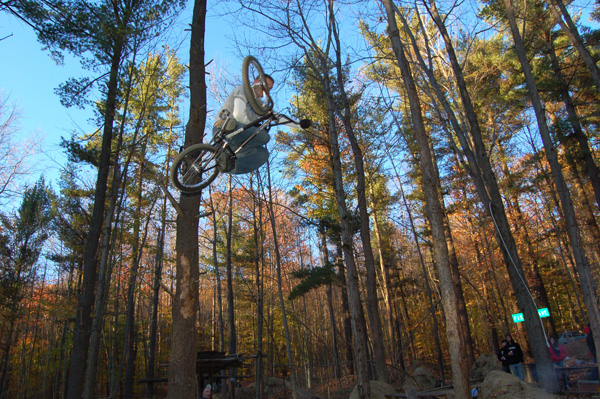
{"x": 238, "y": 106}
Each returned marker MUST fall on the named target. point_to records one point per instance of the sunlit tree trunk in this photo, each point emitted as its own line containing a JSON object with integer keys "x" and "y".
{"x": 184, "y": 349}
{"x": 570, "y": 29}
{"x": 156, "y": 283}
{"x": 587, "y": 283}
{"x": 435, "y": 215}
{"x": 83, "y": 321}
{"x": 231, "y": 333}
{"x": 577, "y": 134}
{"x": 532, "y": 259}
{"x": 329, "y": 293}
{"x": 345, "y": 304}
{"x": 257, "y": 227}
{"x": 478, "y": 165}
{"x": 278, "y": 265}
{"x": 365, "y": 229}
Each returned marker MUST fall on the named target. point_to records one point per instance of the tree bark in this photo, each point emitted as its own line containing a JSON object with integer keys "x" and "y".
{"x": 578, "y": 135}
{"x": 365, "y": 228}
{"x": 232, "y": 333}
{"x": 435, "y": 214}
{"x": 585, "y": 275}
{"x": 184, "y": 348}
{"x": 479, "y": 167}
{"x": 288, "y": 337}
{"x": 572, "y": 33}
{"x": 83, "y": 319}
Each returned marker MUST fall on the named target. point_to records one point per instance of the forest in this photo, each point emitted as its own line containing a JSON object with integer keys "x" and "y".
{"x": 449, "y": 181}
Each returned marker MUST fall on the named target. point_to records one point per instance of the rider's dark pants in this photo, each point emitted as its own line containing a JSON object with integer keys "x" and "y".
{"x": 254, "y": 154}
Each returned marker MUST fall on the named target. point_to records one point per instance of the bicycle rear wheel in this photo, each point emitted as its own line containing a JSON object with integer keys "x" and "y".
{"x": 194, "y": 168}
{"x": 252, "y": 72}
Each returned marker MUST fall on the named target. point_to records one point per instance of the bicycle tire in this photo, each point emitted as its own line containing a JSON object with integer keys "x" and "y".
{"x": 257, "y": 105}
{"x": 194, "y": 168}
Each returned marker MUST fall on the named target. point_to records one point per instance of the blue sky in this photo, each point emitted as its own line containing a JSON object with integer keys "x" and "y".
{"x": 29, "y": 77}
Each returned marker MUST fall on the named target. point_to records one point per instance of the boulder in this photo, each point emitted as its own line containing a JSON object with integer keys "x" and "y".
{"x": 421, "y": 379}
{"x": 501, "y": 385}
{"x": 273, "y": 382}
{"x": 378, "y": 390}
{"x": 484, "y": 364}
{"x": 577, "y": 350}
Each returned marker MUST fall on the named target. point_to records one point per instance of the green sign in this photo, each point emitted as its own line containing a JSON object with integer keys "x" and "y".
{"x": 544, "y": 312}
{"x": 518, "y": 317}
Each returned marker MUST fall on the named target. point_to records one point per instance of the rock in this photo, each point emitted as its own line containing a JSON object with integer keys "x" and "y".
{"x": 378, "y": 390}
{"x": 273, "y": 382}
{"x": 578, "y": 350}
{"x": 422, "y": 379}
{"x": 303, "y": 394}
{"x": 501, "y": 385}
{"x": 484, "y": 364}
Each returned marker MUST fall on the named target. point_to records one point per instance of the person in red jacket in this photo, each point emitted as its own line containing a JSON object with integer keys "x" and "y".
{"x": 558, "y": 355}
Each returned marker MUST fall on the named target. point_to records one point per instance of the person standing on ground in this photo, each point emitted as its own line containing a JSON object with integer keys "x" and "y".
{"x": 589, "y": 340}
{"x": 558, "y": 355}
{"x": 502, "y": 353}
{"x": 207, "y": 393}
{"x": 515, "y": 357}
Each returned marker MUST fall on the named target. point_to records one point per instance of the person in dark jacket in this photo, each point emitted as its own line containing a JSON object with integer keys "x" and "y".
{"x": 502, "y": 353}
{"x": 514, "y": 357}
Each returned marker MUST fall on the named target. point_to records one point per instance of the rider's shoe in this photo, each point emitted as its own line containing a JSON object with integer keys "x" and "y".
{"x": 225, "y": 162}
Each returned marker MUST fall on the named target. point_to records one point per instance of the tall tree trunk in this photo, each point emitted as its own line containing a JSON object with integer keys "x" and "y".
{"x": 153, "y": 328}
{"x": 479, "y": 167}
{"x": 435, "y": 214}
{"x": 232, "y": 334}
{"x": 278, "y": 263}
{"x": 258, "y": 263}
{"x": 532, "y": 259}
{"x": 432, "y": 304}
{"x": 358, "y": 328}
{"x": 365, "y": 233}
{"x": 578, "y": 135}
{"x": 465, "y": 330}
{"x": 585, "y": 275}
{"x": 83, "y": 319}
{"x": 102, "y": 289}
{"x": 345, "y": 304}
{"x": 130, "y": 347}
{"x": 570, "y": 29}
{"x": 182, "y": 369}
{"x": 385, "y": 278}
{"x": 329, "y": 293}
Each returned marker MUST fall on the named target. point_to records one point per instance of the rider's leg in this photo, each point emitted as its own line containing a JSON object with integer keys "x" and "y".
{"x": 260, "y": 139}
{"x": 249, "y": 159}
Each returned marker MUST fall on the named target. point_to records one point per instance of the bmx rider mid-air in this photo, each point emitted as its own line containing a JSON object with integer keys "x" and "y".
{"x": 240, "y": 134}
{"x": 240, "y": 113}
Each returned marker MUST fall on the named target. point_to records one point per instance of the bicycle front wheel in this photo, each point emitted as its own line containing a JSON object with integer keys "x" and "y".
{"x": 252, "y": 74}
{"x": 194, "y": 168}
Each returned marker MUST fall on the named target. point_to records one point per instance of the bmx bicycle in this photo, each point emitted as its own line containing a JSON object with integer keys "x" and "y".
{"x": 199, "y": 165}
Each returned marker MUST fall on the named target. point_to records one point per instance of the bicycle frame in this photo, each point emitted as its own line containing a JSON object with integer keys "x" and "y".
{"x": 263, "y": 123}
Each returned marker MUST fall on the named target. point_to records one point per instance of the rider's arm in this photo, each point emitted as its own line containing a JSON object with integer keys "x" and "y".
{"x": 237, "y": 107}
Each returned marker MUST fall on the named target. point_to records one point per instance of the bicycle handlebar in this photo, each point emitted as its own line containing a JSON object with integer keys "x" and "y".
{"x": 303, "y": 123}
